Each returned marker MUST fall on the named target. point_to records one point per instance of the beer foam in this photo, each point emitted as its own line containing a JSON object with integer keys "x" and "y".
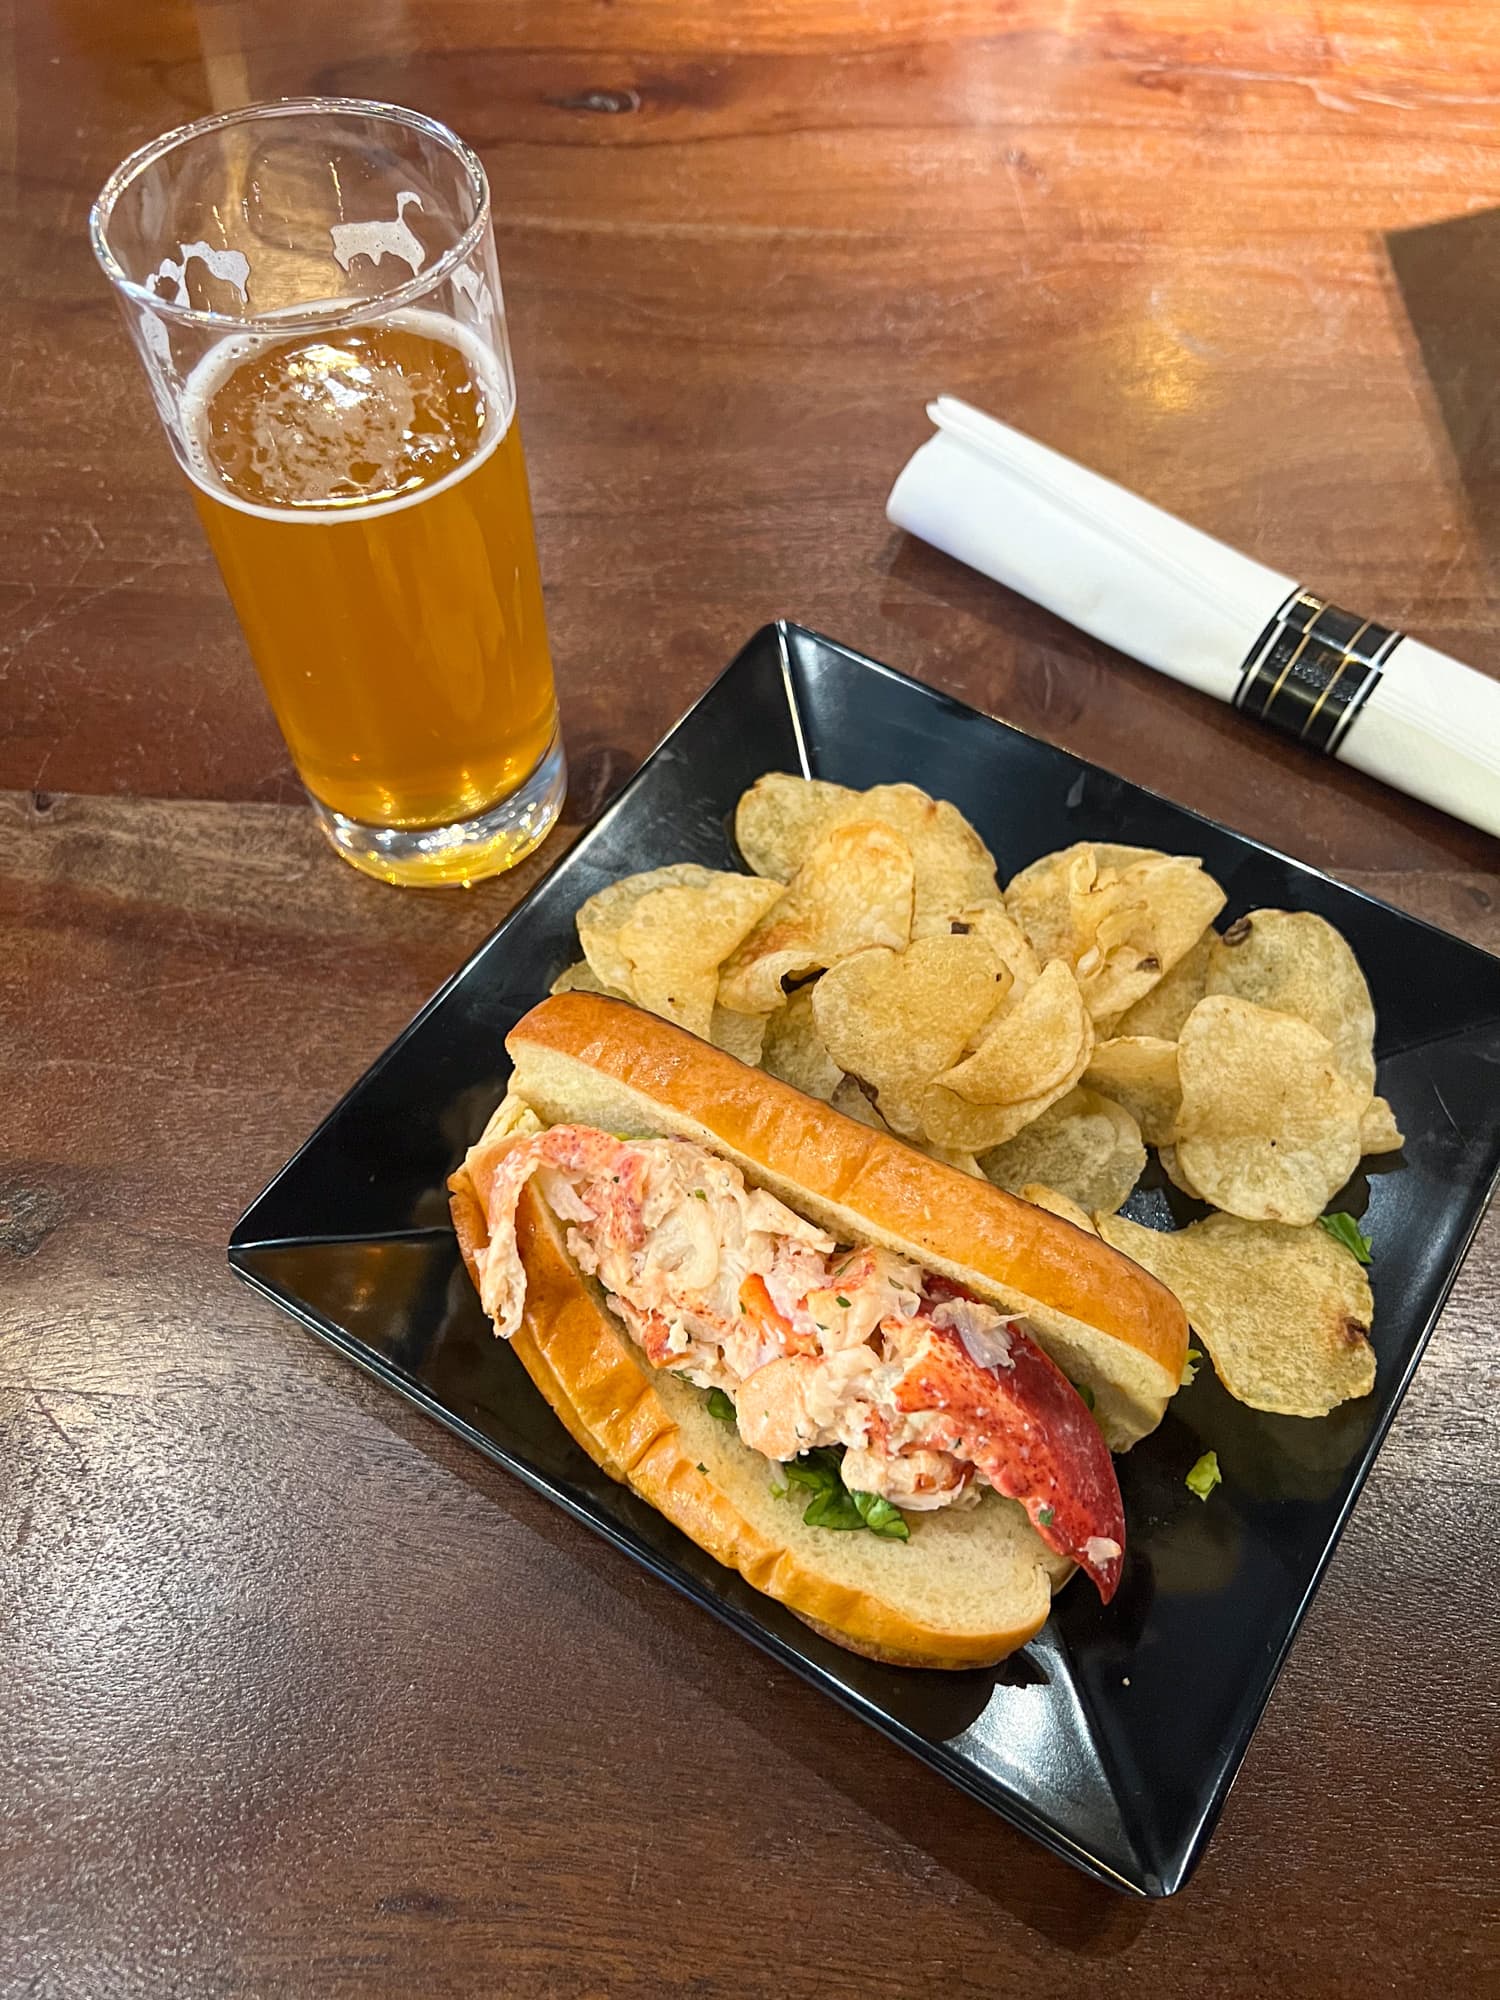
{"x": 320, "y": 427}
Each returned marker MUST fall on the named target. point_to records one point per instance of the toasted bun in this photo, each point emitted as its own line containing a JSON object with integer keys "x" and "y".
{"x": 580, "y": 1058}
{"x": 965, "y": 1591}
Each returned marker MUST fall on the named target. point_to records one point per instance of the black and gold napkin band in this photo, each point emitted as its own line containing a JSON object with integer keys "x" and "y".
{"x": 1311, "y": 670}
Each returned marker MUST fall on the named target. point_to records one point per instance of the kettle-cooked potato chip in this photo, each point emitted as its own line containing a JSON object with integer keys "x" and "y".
{"x": 601, "y": 917}
{"x": 1173, "y": 1171}
{"x": 853, "y": 890}
{"x": 895, "y": 1019}
{"x": 739, "y": 1035}
{"x": 781, "y": 818}
{"x": 1284, "y": 1312}
{"x": 1378, "y": 1130}
{"x": 794, "y": 1050}
{"x": 1140, "y": 1072}
{"x": 1030, "y": 1054}
{"x": 954, "y": 867}
{"x": 851, "y": 1100}
{"x": 1121, "y": 917}
{"x": 1039, "y": 898}
{"x": 961, "y": 1161}
{"x": 1084, "y": 1146}
{"x": 1269, "y": 1124}
{"x": 1135, "y": 924}
{"x": 582, "y": 978}
{"x": 1057, "y": 1203}
{"x": 1161, "y": 1012}
{"x": 1000, "y": 931}
{"x": 1299, "y": 964}
{"x": 675, "y": 939}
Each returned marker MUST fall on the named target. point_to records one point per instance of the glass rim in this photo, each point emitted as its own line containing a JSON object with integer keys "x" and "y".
{"x": 135, "y": 164}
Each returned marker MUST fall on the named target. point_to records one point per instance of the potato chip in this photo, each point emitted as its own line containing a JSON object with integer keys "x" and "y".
{"x": 1141, "y": 923}
{"x": 853, "y": 890}
{"x": 1121, "y": 923}
{"x": 1031, "y": 1054}
{"x": 1038, "y": 898}
{"x": 895, "y": 1019}
{"x": 1172, "y": 1168}
{"x": 851, "y": 1100}
{"x": 1006, "y": 938}
{"x": 582, "y": 978}
{"x": 954, "y": 868}
{"x": 1378, "y": 1130}
{"x": 1085, "y": 1146}
{"x": 781, "y": 817}
{"x": 601, "y": 917}
{"x": 1299, "y": 964}
{"x": 1139, "y": 1072}
{"x": 1284, "y": 1312}
{"x": 794, "y": 1051}
{"x": 1162, "y": 1011}
{"x": 1269, "y": 1124}
{"x": 1056, "y": 1203}
{"x": 957, "y": 1157}
{"x": 738, "y": 1035}
{"x": 675, "y": 939}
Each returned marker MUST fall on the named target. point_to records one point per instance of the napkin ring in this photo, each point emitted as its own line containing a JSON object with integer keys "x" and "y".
{"x": 1312, "y": 669}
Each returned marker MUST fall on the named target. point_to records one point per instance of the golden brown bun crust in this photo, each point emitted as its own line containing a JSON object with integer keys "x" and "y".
{"x": 473, "y": 1234}
{"x": 584, "y": 1364}
{"x": 971, "y": 1222}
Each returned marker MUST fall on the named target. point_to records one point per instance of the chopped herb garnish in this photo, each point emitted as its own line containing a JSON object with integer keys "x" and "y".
{"x": 1205, "y": 1475}
{"x": 840, "y": 1300}
{"x": 699, "y": 1195}
{"x": 701, "y": 1466}
{"x": 720, "y": 1406}
{"x": 1344, "y": 1229}
{"x": 1190, "y": 1366}
{"x": 1045, "y": 1516}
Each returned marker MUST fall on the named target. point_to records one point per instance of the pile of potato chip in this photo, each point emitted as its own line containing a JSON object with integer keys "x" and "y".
{"x": 1044, "y": 1036}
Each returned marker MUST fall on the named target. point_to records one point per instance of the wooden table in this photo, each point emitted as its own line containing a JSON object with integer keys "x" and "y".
{"x": 299, "y": 1696}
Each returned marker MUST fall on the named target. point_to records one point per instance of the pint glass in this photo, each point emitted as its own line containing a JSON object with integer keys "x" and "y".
{"x": 313, "y": 291}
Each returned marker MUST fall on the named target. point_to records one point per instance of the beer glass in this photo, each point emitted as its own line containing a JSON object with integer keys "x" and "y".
{"x": 312, "y": 288}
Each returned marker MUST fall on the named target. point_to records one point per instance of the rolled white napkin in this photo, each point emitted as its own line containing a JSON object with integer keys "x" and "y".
{"x": 1187, "y": 605}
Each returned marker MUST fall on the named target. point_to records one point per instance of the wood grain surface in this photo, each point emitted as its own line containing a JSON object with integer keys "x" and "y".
{"x": 298, "y": 1696}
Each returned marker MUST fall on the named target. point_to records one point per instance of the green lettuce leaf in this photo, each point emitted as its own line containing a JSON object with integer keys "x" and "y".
{"x": 1344, "y": 1229}
{"x": 1205, "y": 1475}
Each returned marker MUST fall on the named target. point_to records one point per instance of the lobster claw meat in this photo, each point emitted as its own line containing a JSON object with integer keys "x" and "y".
{"x": 1024, "y": 1425}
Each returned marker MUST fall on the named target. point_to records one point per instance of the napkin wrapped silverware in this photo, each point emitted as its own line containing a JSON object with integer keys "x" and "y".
{"x": 1176, "y": 599}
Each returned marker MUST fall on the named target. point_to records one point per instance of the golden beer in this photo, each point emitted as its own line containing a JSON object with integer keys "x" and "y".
{"x": 365, "y": 494}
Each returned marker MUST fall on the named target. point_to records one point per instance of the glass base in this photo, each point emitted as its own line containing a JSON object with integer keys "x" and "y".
{"x": 454, "y": 857}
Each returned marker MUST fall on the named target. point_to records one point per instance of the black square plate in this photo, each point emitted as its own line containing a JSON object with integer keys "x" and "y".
{"x": 1114, "y": 1737}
